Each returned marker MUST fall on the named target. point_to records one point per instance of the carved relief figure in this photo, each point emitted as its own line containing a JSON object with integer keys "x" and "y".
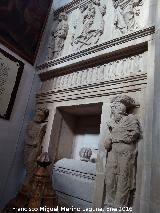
{"x": 125, "y": 13}
{"x": 58, "y": 37}
{"x": 85, "y": 154}
{"x": 33, "y": 147}
{"x": 89, "y": 31}
{"x": 121, "y": 144}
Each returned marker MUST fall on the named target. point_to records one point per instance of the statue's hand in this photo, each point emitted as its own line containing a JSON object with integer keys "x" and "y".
{"x": 136, "y": 3}
{"x": 115, "y": 3}
{"x": 108, "y": 144}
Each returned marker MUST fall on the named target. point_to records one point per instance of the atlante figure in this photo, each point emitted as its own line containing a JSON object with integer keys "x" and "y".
{"x": 121, "y": 145}
{"x": 33, "y": 147}
{"x": 125, "y": 14}
{"x": 58, "y": 37}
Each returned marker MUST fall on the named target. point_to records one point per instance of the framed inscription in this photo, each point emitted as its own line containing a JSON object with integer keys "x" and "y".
{"x": 10, "y": 75}
{"x": 21, "y": 25}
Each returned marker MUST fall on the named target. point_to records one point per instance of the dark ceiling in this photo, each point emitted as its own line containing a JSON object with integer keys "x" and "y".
{"x": 21, "y": 25}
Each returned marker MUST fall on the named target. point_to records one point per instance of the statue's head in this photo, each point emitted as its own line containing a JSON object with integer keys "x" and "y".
{"x": 62, "y": 16}
{"x": 83, "y": 8}
{"x": 85, "y": 154}
{"x": 121, "y": 104}
{"x": 97, "y": 2}
{"x": 41, "y": 115}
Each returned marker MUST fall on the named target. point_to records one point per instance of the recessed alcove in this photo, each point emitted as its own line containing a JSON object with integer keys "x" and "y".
{"x": 79, "y": 127}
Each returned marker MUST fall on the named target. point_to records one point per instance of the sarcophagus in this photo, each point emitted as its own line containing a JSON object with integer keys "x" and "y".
{"x": 74, "y": 182}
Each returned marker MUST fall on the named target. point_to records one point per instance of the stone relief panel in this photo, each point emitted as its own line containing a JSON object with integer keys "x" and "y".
{"x": 58, "y": 37}
{"x": 125, "y": 15}
{"x": 121, "y": 145}
{"x": 91, "y": 22}
{"x": 116, "y": 70}
{"x": 89, "y": 26}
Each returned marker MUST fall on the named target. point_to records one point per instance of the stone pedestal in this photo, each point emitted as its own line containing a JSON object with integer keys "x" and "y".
{"x": 37, "y": 195}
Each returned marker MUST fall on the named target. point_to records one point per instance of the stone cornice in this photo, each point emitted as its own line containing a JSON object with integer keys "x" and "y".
{"x": 70, "y": 6}
{"x": 47, "y": 66}
{"x": 128, "y": 84}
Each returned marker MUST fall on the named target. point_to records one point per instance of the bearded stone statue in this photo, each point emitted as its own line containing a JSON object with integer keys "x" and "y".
{"x": 121, "y": 145}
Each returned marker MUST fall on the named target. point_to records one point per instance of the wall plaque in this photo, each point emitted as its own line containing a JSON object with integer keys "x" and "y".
{"x": 10, "y": 75}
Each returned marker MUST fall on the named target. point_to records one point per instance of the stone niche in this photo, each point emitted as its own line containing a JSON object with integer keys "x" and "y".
{"x": 80, "y": 127}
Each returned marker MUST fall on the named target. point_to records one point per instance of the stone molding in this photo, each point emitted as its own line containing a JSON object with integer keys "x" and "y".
{"x": 70, "y": 6}
{"x": 42, "y": 69}
{"x": 128, "y": 84}
{"x": 75, "y": 173}
{"x": 118, "y": 69}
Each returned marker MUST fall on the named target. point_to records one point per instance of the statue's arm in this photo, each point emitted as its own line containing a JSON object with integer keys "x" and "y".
{"x": 133, "y": 131}
{"x": 108, "y": 143}
{"x": 108, "y": 140}
{"x": 103, "y": 9}
{"x": 42, "y": 132}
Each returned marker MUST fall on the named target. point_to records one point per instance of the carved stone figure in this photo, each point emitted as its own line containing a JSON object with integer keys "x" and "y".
{"x": 126, "y": 11}
{"x": 33, "y": 147}
{"x": 121, "y": 144}
{"x": 58, "y": 37}
{"x": 89, "y": 31}
{"x": 85, "y": 154}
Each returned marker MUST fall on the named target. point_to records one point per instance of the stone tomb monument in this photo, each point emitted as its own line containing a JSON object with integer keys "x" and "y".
{"x": 74, "y": 182}
{"x": 98, "y": 63}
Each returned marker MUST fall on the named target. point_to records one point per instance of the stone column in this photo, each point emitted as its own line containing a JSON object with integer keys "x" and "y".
{"x": 47, "y": 137}
{"x": 101, "y": 157}
{"x": 150, "y": 190}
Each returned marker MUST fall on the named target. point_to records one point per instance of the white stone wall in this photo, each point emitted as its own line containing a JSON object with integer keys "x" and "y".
{"x": 13, "y": 133}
